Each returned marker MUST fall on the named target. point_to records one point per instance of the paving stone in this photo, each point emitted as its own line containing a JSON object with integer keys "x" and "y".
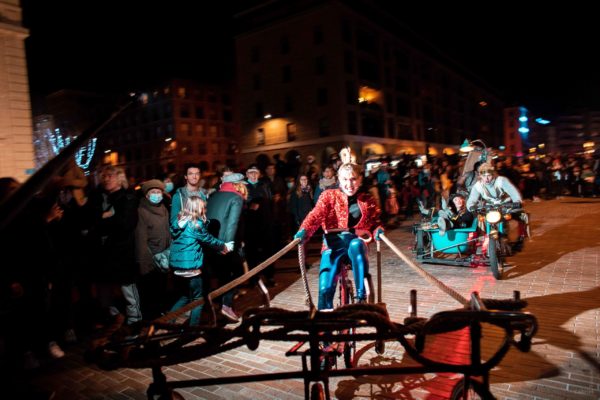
{"x": 558, "y": 273}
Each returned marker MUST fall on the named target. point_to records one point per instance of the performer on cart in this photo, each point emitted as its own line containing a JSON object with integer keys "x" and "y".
{"x": 349, "y": 219}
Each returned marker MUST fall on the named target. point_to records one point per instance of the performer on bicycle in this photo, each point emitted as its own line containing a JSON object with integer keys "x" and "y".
{"x": 346, "y": 215}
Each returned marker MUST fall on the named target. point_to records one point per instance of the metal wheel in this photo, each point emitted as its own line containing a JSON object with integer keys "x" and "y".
{"x": 476, "y": 391}
{"x": 496, "y": 259}
{"x": 347, "y": 297}
{"x": 317, "y": 392}
{"x": 388, "y": 353}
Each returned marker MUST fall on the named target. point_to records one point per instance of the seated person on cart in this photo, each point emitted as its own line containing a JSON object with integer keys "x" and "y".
{"x": 344, "y": 213}
{"x": 455, "y": 216}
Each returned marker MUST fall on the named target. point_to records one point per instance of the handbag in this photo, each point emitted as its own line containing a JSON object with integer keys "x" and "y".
{"x": 161, "y": 260}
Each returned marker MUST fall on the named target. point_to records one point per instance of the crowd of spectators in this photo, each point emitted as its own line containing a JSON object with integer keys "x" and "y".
{"x": 82, "y": 254}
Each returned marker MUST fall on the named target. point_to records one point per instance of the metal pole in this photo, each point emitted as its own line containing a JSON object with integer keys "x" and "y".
{"x": 13, "y": 205}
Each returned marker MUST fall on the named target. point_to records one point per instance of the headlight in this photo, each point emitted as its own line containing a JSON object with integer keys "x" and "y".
{"x": 493, "y": 217}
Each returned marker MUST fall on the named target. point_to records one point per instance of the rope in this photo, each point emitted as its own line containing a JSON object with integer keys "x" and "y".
{"x": 225, "y": 288}
{"x": 430, "y": 278}
{"x": 302, "y": 262}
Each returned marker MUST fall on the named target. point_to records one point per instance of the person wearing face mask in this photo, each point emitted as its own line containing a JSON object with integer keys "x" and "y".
{"x": 347, "y": 213}
{"x": 152, "y": 236}
{"x": 169, "y": 182}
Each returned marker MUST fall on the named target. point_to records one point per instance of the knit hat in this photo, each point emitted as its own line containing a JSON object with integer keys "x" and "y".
{"x": 152, "y": 184}
{"x": 232, "y": 178}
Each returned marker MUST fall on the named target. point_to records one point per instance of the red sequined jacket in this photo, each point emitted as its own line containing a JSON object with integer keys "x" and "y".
{"x": 331, "y": 212}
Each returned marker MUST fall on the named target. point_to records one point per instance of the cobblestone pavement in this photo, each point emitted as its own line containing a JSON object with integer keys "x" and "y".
{"x": 558, "y": 273}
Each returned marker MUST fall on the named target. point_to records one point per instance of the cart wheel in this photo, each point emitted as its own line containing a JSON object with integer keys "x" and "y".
{"x": 419, "y": 243}
{"x": 475, "y": 392}
{"x": 171, "y": 395}
{"x": 346, "y": 297}
{"x": 496, "y": 263}
{"x": 317, "y": 392}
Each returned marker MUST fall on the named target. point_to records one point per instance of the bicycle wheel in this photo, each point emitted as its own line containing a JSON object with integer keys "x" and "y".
{"x": 475, "y": 392}
{"x": 496, "y": 259}
{"x": 317, "y": 392}
{"x": 347, "y": 297}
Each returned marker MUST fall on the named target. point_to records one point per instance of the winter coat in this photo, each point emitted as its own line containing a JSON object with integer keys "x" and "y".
{"x": 116, "y": 235}
{"x": 331, "y": 212}
{"x": 186, "y": 249}
{"x": 224, "y": 211}
{"x": 178, "y": 202}
{"x": 151, "y": 234}
{"x": 300, "y": 206}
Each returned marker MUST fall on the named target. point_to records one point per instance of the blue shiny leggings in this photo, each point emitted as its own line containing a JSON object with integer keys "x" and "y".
{"x": 356, "y": 250}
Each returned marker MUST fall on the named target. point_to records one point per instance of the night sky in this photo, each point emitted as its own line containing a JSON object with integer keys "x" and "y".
{"x": 542, "y": 58}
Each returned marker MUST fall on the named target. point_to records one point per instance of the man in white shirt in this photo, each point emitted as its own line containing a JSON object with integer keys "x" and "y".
{"x": 492, "y": 188}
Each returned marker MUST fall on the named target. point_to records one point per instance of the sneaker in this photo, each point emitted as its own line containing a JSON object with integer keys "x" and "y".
{"x": 229, "y": 314}
{"x": 422, "y": 208}
{"x": 30, "y": 361}
{"x": 70, "y": 336}
{"x": 55, "y": 351}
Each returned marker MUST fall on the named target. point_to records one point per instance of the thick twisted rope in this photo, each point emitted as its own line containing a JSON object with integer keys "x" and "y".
{"x": 302, "y": 263}
{"x": 225, "y": 288}
{"x": 430, "y": 278}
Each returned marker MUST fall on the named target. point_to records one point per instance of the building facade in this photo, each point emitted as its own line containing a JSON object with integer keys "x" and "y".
{"x": 578, "y": 131}
{"x": 178, "y": 123}
{"x": 316, "y": 75}
{"x": 16, "y": 144}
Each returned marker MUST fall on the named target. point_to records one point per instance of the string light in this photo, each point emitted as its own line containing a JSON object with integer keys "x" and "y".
{"x": 49, "y": 142}
{"x": 87, "y": 150}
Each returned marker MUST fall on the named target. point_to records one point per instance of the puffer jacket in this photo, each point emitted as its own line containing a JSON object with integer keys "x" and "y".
{"x": 186, "y": 249}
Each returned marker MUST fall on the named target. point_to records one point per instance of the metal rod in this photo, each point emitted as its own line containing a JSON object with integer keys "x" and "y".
{"x": 13, "y": 205}
{"x": 379, "y": 285}
{"x": 451, "y": 292}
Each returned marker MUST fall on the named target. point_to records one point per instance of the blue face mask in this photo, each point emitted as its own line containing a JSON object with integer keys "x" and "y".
{"x": 290, "y": 185}
{"x": 155, "y": 198}
{"x": 169, "y": 187}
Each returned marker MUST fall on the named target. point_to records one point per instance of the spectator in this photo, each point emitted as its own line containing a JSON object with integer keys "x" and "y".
{"x": 187, "y": 257}
{"x": 224, "y": 211}
{"x": 328, "y": 181}
{"x": 115, "y": 238}
{"x": 191, "y": 188}
{"x": 152, "y": 236}
{"x": 301, "y": 201}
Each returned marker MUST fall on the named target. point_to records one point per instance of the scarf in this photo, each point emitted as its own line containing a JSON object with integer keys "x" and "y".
{"x": 325, "y": 183}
